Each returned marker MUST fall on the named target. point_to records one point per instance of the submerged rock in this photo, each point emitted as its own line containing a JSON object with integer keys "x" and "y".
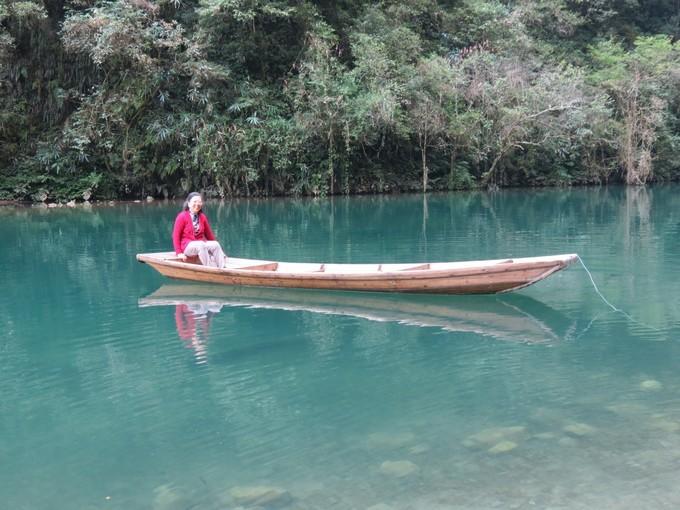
{"x": 261, "y": 495}
{"x": 418, "y": 449}
{"x": 494, "y": 436}
{"x": 503, "y": 447}
{"x": 579, "y": 429}
{"x": 651, "y": 385}
{"x": 399, "y": 468}
{"x": 568, "y": 441}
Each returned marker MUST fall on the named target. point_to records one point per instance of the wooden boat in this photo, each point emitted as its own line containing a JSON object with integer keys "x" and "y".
{"x": 515, "y": 318}
{"x": 473, "y": 277}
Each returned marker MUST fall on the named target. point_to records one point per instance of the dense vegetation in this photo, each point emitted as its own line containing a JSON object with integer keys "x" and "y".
{"x": 129, "y": 98}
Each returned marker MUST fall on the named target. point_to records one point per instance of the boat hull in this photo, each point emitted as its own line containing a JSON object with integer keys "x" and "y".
{"x": 482, "y": 277}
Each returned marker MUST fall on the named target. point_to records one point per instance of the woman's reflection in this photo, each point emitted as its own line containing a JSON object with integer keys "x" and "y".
{"x": 193, "y": 325}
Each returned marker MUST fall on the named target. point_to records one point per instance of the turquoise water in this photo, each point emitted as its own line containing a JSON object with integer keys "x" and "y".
{"x": 125, "y": 390}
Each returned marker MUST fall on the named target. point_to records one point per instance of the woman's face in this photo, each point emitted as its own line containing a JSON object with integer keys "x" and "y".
{"x": 195, "y": 204}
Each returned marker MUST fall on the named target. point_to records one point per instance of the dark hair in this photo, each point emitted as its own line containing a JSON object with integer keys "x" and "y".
{"x": 189, "y": 197}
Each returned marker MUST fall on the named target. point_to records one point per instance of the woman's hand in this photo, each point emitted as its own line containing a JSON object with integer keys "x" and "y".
{"x": 182, "y": 257}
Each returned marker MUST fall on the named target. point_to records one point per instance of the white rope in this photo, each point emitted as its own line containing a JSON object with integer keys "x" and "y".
{"x": 595, "y": 287}
{"x": 618, "y": 310}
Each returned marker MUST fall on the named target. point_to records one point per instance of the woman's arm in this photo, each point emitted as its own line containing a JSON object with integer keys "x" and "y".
{"x": 177, "y": 233}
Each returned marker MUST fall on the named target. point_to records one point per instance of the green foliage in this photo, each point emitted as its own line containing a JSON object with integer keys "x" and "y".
{"x": 23, "y": 14}
{"x": 253, "y": 97}
{"x": 642, "y": 82}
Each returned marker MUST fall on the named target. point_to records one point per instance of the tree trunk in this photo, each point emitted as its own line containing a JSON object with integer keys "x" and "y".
{"x": 330, "y": 158}
{"x": 452, "y": 170}
{"x": 423, "y": 156}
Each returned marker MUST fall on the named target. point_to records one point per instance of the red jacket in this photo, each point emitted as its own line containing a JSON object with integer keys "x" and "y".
{"x": 183, "y": 232}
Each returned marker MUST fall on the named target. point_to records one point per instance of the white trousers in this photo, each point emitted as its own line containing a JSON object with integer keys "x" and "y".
{"x": 209, "y": 253}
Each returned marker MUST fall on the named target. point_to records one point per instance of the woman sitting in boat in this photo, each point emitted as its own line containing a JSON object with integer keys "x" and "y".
{"x": 192, "y": 235}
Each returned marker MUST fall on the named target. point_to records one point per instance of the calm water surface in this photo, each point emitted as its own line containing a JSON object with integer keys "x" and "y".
{"x": 124, "y": 390}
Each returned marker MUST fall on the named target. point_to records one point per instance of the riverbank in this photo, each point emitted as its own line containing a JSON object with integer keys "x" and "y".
{"x": 73, "y": 203}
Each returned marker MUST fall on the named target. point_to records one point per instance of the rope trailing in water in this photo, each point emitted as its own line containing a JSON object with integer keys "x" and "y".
{"x": 617, "y": 310}
{"x": 598, "y": 290}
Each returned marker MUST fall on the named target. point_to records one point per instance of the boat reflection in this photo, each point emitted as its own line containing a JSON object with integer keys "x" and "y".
{"x": 511, "y": 317}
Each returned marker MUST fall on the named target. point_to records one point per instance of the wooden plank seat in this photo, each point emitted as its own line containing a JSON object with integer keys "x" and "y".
{"x": 419, "y": 267}
{"x": 271, "y": 266}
